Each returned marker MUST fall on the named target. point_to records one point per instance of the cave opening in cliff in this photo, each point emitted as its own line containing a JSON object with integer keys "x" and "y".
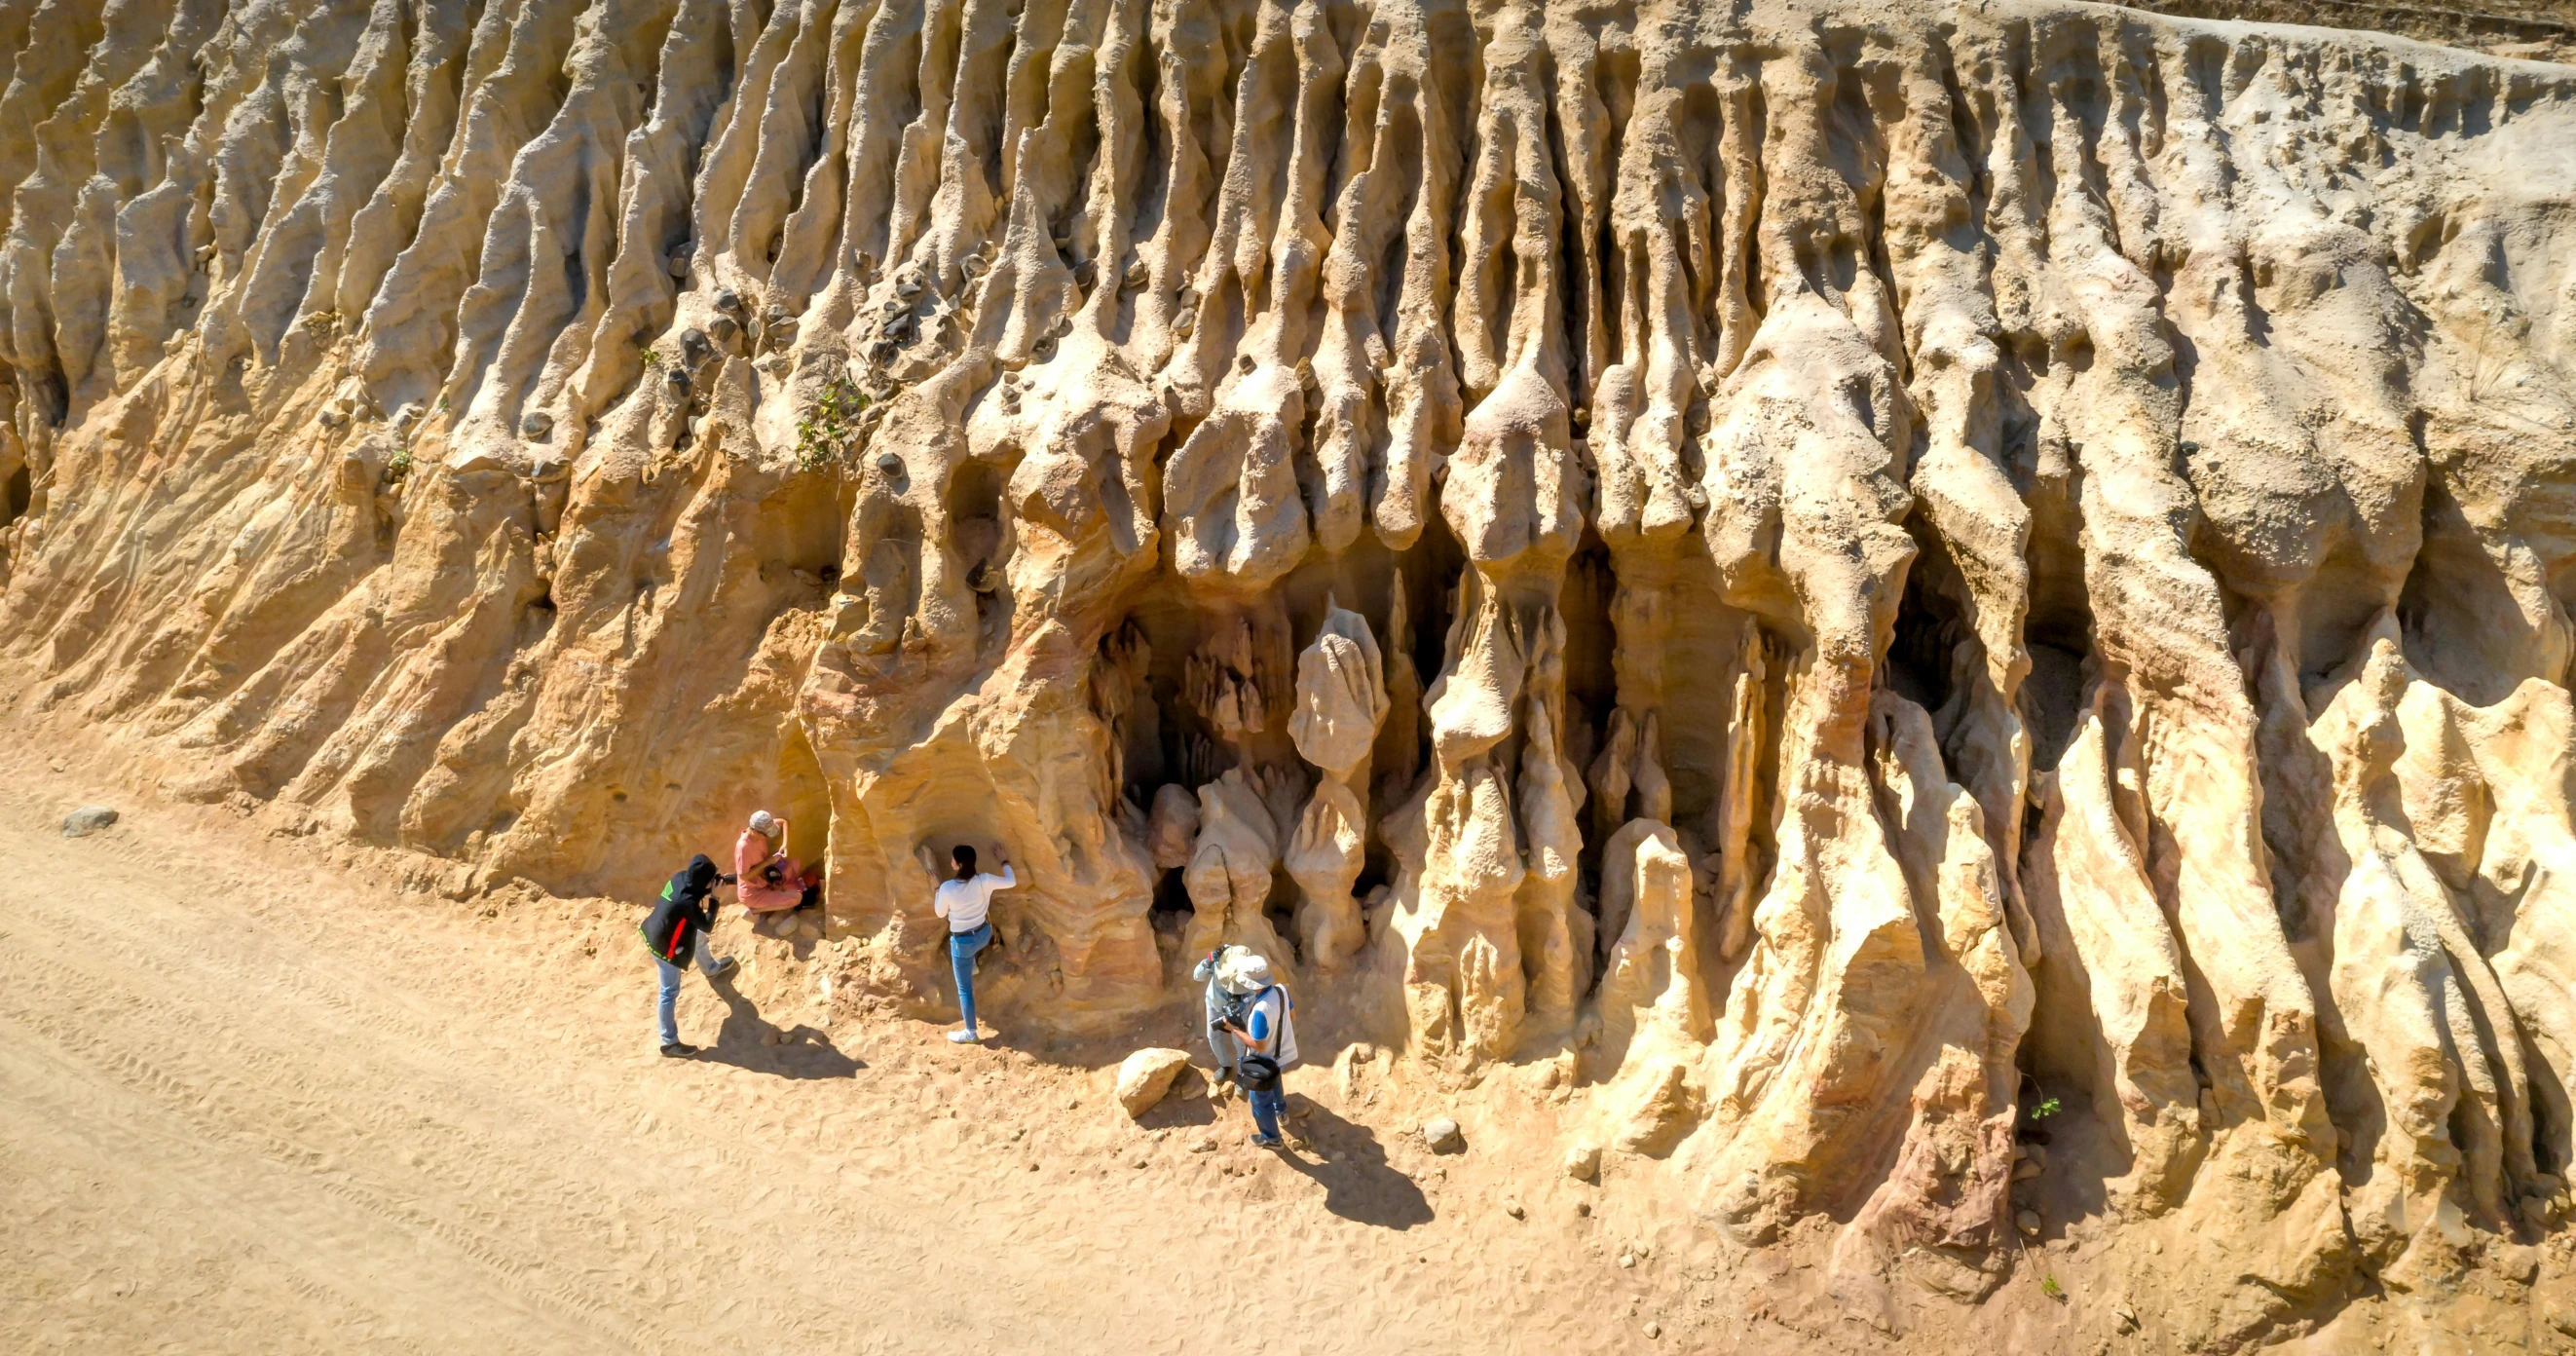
{"x": 1199, "y": 686}
{"x": 2337, "y": 609}
{"x": 2550, "y": 1122}
{"x": 2059, "y": 629}
{"x": 21, "y": 493}
{"x": 2459, "y": 621}
{"x": 1170, "y": 738}
{"x": 1171, "y": 906}
{"x": 803, "y": 798}
{"x": 1930, "y": 626}
{"x": 1591, "y": 677}
{"x": 51, "y": 396}
{"x": 974, "y": 503}
{"x": 1428, "y": 572}
{"x": 541, "y": 614}
{"x": 890, "y": 574}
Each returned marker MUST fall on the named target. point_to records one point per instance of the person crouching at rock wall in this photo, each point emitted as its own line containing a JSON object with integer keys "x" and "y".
{"x": 772, "y": 881}
{"x": 1268, "y": 1033}
{"x": 963, "y": 899}
{"x": 676, "y": 932}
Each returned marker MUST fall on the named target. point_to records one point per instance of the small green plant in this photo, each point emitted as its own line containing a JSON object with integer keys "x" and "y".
{"x": 652, "y": 356}
{"x": 399, "y": 464}
{"x": 442, "y": 404}
{"x": 2048, "y": 1107}
{"x": 825, "y": 430}
{"x": 2048, "y": 1286}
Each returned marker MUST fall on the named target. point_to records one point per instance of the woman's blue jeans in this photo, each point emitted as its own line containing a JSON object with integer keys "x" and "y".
{"x": 962, "y": 947}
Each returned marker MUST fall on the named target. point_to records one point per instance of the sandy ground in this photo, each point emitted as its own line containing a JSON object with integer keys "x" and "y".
{"x": 252, "y": 1103}
{"x": 255, "y": 1098}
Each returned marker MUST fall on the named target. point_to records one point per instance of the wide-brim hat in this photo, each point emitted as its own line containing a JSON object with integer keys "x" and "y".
{"x": 1242, "y": 972}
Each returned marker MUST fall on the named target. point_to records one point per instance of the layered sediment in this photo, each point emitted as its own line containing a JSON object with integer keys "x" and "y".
{"x": 1831, "y": 577}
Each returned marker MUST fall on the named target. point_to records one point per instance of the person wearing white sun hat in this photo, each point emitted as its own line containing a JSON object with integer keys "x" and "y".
{"x": 1268, "y": 1035}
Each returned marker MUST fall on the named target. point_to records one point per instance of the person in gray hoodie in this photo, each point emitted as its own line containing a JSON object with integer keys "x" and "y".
{"x": 1221, "y": 1008}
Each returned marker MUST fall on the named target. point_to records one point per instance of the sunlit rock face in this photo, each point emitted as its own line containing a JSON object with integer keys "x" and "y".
{"x": 1831, "y": 574}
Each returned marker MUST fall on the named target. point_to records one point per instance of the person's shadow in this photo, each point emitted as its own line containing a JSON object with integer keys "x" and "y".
{"x": 1358, "y": 1184}
{"x": 807, "y": 1052}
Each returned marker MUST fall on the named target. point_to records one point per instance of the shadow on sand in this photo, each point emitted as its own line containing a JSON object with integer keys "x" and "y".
{"x": 1358, "y": 1184}
{"x": 807, "y": 1052}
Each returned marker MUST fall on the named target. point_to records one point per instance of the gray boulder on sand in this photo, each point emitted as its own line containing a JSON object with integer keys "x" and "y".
{"x": 87, "y": 820}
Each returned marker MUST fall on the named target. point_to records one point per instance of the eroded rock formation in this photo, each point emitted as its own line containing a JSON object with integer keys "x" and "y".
{"x": 1833, "y": 575}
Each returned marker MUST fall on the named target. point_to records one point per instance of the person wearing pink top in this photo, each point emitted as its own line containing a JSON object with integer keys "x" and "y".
{"x": 770, "y": 880}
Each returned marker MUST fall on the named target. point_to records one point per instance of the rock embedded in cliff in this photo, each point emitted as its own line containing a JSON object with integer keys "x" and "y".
{"x": 1172, "y": 826}
{"x": 1341, "y": 695}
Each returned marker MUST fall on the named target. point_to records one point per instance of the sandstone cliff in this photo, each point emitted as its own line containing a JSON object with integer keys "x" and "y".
{"x": 1823, "y": 576}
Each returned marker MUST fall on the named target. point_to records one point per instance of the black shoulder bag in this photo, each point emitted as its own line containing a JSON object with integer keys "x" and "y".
{"x": 1258, "y": 1072}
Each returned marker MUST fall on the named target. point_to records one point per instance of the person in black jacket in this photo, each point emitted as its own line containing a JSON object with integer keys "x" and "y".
{"x": 675, "y": 932}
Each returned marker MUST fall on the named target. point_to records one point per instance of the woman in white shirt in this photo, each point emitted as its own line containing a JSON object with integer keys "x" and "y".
{"x": 963, "y": 900}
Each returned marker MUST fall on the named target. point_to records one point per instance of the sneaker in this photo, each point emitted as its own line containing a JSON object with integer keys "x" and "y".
{"x": 724, "y": 966}
{"x": 1268, "y": 1142}
{"x": 677, "y": 1050}
{"x": 963, "y": 1037}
